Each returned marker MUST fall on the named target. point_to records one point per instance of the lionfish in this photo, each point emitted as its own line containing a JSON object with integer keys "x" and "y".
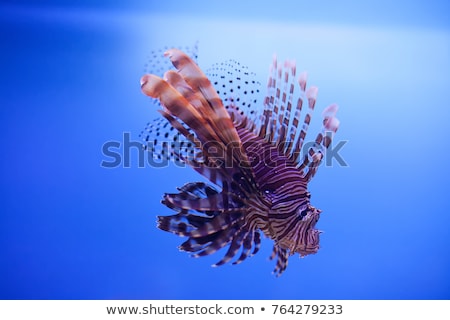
{"x": 258, "y": 174}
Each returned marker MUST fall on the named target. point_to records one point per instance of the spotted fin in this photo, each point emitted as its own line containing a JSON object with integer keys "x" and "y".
{"x": 237, "y": 87}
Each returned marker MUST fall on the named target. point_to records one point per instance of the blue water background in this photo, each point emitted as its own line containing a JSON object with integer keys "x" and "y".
{"x": 69, "y": 82}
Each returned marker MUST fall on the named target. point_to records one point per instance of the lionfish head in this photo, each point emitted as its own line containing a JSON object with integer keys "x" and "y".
{"x": 312, "y": 234}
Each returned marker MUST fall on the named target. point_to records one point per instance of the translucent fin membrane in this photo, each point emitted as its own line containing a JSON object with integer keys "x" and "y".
{"x": 164, "y": 142}
{"x": 237, "y": 87}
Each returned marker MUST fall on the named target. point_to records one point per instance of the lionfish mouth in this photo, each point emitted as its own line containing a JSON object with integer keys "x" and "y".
{"x": 214, "y": 125}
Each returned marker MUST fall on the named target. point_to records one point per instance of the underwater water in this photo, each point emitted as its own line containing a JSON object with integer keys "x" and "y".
{"x": 69, "y": 83}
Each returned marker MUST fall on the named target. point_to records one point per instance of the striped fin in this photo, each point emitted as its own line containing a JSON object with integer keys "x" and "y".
{"x": 209, "y": 226}
{"x": 218, "y": 118}
{"x": 275, "y": 103}
{"x": 279, "y": 126}
{"x": 220, "y": 240}
{"x": 235, "y": 245}
{"x": 315, "y": 154}
{"x": 279, "y": 123}
{"x": 178, "y": 107}
{"x": 195, "y": 98}
{"x": 158, "y": 64}
{"x": 217, "y": 202}
{"x": 188, "y": 223}
{"x": 271, "y": 109}
{"x": 198, "y": 190}
{"x": 249, "y": 239}
{"x": 310, "y": 95}
{"x": 207, "y": 235}
{"x": 282, "y": 259}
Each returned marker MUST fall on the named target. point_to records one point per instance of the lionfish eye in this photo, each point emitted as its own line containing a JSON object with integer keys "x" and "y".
{"x": 303, "y": 211}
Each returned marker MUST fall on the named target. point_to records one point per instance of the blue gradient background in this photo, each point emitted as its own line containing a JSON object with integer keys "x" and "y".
{"x": 69, "y": 81}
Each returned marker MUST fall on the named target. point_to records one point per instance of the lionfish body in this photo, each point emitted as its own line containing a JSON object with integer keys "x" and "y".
{"x": 258, "y": 173}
